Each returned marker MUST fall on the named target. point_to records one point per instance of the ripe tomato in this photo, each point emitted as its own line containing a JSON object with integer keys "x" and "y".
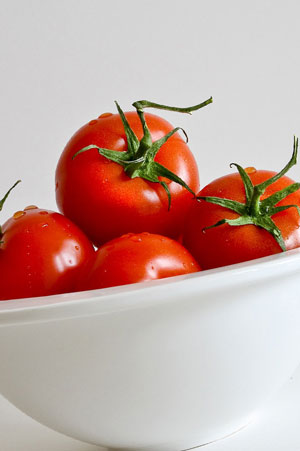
{"x": 41, "y": 253}
{"x": 137, "y": 258}
{"x": 215, "y": 243}
{"x": 105, "y": 201}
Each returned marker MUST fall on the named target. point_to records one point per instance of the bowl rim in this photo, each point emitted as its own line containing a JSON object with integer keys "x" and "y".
{"x": 138, "y": 295}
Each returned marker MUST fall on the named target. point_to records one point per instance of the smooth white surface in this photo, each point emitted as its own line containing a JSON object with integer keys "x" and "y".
{"x": 276, "y": 429}
{"x": 64, "y": 62}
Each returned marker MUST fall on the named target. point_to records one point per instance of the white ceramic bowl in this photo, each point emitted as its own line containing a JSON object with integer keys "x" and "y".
{"x": 164, "y": 365}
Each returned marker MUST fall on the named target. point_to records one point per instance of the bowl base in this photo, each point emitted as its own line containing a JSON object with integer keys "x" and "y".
{"x": 191, "y": 447}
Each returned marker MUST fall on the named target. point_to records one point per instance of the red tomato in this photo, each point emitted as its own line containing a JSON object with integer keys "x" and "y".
{"x": 97, "y": 194}
{"x": 137, "y": 258}
{"x": 227, "y": 244}
{"x": 41, "y": 253}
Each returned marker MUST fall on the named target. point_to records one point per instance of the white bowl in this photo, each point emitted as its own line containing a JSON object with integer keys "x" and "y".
{"x": 164, "y": 365}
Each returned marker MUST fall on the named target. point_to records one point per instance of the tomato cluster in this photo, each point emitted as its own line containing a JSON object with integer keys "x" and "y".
{"x": 127, "y": 187}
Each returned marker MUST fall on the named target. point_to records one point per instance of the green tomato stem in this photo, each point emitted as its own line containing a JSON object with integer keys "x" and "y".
{"x": 138, "y": 159}
{"x": 142, "y": 104}
{"x": 254, "y": 207}
{"x": 2, "y": 201}
{"x": 7, "y": 194}
{"x": 256, "y": 211}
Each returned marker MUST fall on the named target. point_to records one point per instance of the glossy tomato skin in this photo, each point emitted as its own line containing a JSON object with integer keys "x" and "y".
{"x": 225, "y": 244}
{"x": 41, "y": 253}
{"x": 137, "y": 258}
{"x": 98, "y": 195}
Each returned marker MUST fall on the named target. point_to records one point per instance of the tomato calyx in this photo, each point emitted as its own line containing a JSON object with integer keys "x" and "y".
{"x": 2, "y": 201}
{"x": 138, "y": 159}
{"x": 256, "y": 211}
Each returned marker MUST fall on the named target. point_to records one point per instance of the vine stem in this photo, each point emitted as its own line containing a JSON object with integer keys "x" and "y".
{"x": 142, "y": 104}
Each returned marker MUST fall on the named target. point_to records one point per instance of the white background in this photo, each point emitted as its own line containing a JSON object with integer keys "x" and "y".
{"x": 65, "y": 62}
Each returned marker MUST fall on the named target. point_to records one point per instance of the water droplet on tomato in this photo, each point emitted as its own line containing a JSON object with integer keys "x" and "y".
{"x": 30, "y": 207}
{"x": 77, "y": 248}
{"x": 136, "y": 238}
{"x": 19, "y": 214}
{"x": 127, "y": 235}
{"x": 105, "y": 115}
{"x": 145, "y": 233}
{"x": 93, "y": 122}
{"x": 105, "y": 161}
{"x": 250, "y": 170}
{"x": 45, "y": 225}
